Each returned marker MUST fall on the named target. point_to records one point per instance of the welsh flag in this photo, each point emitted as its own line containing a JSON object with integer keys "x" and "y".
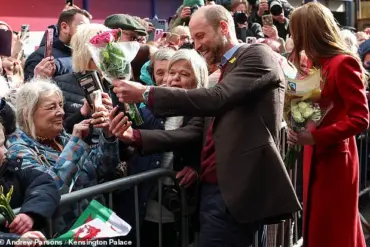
{"x": 96, "y": 222}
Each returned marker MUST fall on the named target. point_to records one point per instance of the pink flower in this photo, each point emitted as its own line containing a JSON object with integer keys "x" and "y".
{"x": 103, "y": 38}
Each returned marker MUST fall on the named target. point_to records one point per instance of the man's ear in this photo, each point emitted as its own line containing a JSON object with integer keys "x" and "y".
{"x": 64, "y": 27}
{"x": 224, "y": 27}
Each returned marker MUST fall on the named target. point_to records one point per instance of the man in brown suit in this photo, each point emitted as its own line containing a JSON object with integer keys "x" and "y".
{"x": 244, "y": 181}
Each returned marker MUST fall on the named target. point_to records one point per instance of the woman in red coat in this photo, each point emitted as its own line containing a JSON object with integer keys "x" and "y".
{"x": 331, "y": 165}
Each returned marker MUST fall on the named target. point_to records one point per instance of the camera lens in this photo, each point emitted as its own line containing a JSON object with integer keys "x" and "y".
{"x": 276, "y": 7}
{"x": 240, "y": 17}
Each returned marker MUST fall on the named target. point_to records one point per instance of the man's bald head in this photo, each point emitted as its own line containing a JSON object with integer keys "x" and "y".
{"x": 214, "y": 14}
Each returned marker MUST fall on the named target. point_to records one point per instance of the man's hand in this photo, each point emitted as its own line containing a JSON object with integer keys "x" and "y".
{"x": 129, "y": 91}
{"x": 188, "y": 175}
{"x": 120, "y": 126}
{"x": 185, "y": 13}
{"x": 21, "y": 224}
{"x": 46, "y": 68}
{"x": 68, "y": 7}
{"x": 35, "y": 237}
{"x": 262, "y": 7}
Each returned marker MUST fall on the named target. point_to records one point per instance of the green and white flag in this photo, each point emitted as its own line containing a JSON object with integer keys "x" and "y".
{"x": 96, "y": 222}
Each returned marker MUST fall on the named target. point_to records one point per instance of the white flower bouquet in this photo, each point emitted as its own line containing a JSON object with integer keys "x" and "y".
{"x": 302, "y": 106}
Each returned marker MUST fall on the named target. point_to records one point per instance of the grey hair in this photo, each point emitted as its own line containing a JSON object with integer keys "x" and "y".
{"x": 27, "y": 101}
{"x": 197, "y": 62}
{"x": 163, "y": 54}
{"x": 350, "y": 39}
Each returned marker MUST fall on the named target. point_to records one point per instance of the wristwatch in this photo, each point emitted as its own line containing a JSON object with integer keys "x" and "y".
{"x": 146, "y": 94}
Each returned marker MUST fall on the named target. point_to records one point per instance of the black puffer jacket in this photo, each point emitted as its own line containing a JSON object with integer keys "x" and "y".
{"x": 34, "y": 192}
{"x": 72, "y": 92}
{"x": 62, "y": 57}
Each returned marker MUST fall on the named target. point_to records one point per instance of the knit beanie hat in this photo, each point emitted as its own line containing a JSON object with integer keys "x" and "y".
{"x": 364, "y": 48}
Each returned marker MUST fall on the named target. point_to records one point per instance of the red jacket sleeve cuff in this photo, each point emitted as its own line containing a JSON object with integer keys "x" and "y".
{"x": 137, "y": 143}
{"x": 150, "y": 98}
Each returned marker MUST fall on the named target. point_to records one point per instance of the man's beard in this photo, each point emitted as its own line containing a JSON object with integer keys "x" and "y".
{"x": 216, "y": 52}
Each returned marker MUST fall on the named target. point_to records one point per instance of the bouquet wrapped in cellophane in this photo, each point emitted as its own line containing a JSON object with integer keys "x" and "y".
{"x": 302, "y": 106}
{"x": 114, "y": 58}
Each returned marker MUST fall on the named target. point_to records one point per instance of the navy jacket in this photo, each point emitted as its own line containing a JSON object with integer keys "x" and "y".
{"x": 62, "y": 56}
{"x": 34, "y": 192}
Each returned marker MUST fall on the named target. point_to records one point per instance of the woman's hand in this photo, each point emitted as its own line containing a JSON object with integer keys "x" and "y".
{"x": 271, "y": 32}
{"x": 188, "y": 176}
{"x": 81, "y": 130}
{"x": 100, "y": 120}
{"x": 32, "y": 239}
{"x": 301, "y": 138}
{"x": 18, "y": 45}
{"x": 107, "y": 101}
{"x": 120, "y": 126}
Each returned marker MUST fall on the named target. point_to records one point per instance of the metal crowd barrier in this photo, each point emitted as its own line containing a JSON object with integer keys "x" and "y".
{"x": 124, "y": 184}
{"x": 285, "y": 234}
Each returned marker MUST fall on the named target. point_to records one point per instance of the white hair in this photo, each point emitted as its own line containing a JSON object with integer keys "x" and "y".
{"x": 197, "y": 62}
{"x": 27, "y": 101}
{"x": 80, "y": 51}
{"x": 350, "y": 39}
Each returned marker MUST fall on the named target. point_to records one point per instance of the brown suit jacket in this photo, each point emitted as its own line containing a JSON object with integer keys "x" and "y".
{"x": 247, "y": 105}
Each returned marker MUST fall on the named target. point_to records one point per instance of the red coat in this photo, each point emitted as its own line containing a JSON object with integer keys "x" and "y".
{"x": 331, "y": 167}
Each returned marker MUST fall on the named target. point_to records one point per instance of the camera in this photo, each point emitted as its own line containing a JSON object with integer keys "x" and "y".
{"x": 276, "y": 7}
{"x": 193, "y": 9}
{"x": 240, "y": 17}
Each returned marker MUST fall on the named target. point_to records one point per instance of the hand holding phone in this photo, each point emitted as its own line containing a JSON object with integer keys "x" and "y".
{"x": 267, "y": 20}
{"x": 49, "y": 34}
{"x": 69, "y": 2}
{"x": 6, "y": 40}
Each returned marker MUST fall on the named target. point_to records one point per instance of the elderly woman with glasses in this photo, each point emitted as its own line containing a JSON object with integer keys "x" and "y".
{"x": 43, "y": 144}
{"x": 185, "y": 69}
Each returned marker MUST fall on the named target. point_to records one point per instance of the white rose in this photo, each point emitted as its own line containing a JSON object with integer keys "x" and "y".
{"x": 302, "y": 106}
{"x": 308, "y": 113}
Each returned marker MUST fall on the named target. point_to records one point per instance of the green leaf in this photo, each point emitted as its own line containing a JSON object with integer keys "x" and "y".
{"x": 9, "y": 194}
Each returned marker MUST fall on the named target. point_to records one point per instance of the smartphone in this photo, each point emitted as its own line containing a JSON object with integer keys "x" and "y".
{"x": 25, "y": 29}
{"x": 69, "y": 2}
{"x": 158, "y": 24}
{"x": 267, "y": 20}
{"x": 49, "y": 35}
{"x": 115, "y": 102}
{"x": 90, "y": 83}
{"x": 251, "y": 40}
{"x": 6, "y": 40}
{"x": 158, "y": 34}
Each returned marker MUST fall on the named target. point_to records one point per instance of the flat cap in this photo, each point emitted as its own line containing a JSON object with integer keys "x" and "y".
{"x": 125, "y": 22}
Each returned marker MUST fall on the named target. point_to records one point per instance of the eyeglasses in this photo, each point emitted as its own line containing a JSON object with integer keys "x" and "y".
{"x": 131, "y": 36}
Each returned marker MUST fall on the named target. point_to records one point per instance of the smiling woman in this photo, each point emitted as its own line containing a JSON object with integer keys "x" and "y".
{"x": 43, "y": 144}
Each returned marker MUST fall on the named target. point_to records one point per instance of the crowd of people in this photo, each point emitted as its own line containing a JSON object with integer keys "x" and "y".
{"x": 211, "y": 94}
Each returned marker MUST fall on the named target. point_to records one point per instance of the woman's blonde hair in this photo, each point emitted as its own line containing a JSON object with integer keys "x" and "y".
{"x": 28, "y": 97}
{"x": 314, "y": 30}
{"x": 197, "y": 62}
{"x": 80, "y": 52}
